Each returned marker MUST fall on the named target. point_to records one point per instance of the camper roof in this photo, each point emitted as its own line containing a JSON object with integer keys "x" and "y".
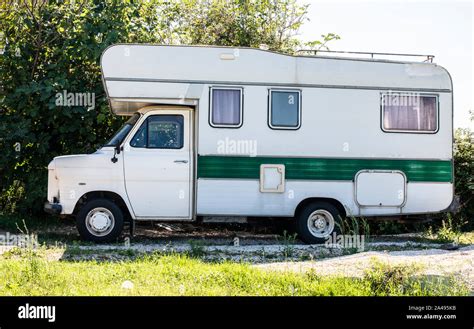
{"x": 139, "y": 75}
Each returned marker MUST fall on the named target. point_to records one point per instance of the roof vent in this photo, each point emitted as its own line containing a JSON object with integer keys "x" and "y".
{"x": 227, "y": 57}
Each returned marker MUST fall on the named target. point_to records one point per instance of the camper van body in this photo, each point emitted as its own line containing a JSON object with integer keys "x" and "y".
{"x": 301, "y": 134}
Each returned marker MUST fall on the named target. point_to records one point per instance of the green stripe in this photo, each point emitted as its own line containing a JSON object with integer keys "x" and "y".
{"x": 321, "y": 169}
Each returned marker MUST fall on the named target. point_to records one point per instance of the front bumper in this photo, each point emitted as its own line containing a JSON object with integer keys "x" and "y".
{"x": 53, "y": 208}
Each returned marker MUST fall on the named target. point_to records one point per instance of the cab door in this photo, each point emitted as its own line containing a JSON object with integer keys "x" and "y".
{"x": 158, "y": 162}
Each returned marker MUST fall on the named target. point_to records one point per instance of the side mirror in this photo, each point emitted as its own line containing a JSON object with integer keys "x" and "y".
{"x": 117, "y": 150}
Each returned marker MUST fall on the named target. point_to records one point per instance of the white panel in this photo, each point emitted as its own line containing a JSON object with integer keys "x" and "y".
{"x": 428, "y": 197}
{"x": 377, "y": 188}
{"x": 242, "y": 197}
{"x": 96, "y": 173}
{"x": 335, "y": 123}
{"x": 123, "y": 89}
{"x": 421, "y": 198}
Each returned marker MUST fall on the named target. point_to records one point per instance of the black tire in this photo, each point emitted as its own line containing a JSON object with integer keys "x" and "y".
{"x": 315, "y": 209}
{"x": 105, "y": 210}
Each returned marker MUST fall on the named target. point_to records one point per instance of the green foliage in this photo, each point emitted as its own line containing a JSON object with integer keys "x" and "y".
{"x": 242, "y": 23}
{"x": 288, "y": 240}
{"x": 464, "y": 174}
{"x": 386, "y": 279}
{"x": 449, "y": 231}
{"x": 380, "y": 227}
{"x": 321, "y": 44}
{"x": 55, "y": 46}
{"x": 354, "y": 226}
{"x": 197, "y": 249}
{"x": 396, "y": 280}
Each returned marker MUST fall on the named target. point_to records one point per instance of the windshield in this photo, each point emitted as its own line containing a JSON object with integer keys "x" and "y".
{"x": 123, "y": 132}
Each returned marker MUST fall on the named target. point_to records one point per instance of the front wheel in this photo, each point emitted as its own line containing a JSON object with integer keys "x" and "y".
{"x": 100, "y": 220}
{"x": 317, "y": 221}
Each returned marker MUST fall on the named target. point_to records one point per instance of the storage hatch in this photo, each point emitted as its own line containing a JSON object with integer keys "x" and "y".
{"x": 380, "y": 188}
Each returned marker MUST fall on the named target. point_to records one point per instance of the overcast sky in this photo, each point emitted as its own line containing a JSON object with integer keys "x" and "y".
{"x": 443, "y": 28}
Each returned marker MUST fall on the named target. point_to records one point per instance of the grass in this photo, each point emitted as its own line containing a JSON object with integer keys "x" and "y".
{"x": 288, "y": 241}
{"x": 354, "y": 226}
{"x": 25, "y": 272}
{"x": 467, "y": 238}
{"x": 401, "y": 279}
{"x": 197, "y": 249}
{"x": 449, "y": 231}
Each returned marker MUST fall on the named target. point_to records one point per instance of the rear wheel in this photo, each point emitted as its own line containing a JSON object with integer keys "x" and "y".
{"x": 100, "y": 220}
{"x": 317, "y": 221}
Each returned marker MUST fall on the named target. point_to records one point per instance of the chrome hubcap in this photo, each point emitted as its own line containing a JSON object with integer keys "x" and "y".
{"x": 100, "y": 221}
{"x": 321, "y": 223}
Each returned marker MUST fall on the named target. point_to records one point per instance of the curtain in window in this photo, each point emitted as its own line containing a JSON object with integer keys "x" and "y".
{"x": 226, "y": 107}
{"x": 406, "y": 112}
{"x": 428, "y": 114}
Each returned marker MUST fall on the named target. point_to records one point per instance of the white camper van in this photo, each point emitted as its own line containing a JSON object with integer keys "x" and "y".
{"x": 217, "y": 131}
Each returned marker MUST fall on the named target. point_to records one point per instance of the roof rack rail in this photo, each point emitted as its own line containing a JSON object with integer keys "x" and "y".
{"x": 312, "y": 52}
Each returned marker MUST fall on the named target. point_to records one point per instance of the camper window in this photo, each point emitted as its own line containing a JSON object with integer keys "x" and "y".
{"x": 226, "y": 107}
{"x": 409, "y": 113}
{"x": 160, "y": 131}
{"x": 284, "y": 109}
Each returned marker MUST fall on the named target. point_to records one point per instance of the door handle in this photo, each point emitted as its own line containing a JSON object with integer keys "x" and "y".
{"x": 180, "y": 161}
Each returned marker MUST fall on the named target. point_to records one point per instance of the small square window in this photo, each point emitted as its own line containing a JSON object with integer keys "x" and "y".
{"x": 409, "y": 113}
{"x": 226, "y": 107}
{"x": 285, "y": 109}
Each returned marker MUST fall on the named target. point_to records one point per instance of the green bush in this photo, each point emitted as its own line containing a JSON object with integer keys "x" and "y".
{"x": 55, "y": 46}
{"x": 464, "y": 175}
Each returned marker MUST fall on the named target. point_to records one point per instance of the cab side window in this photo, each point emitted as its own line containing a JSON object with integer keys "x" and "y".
{"x": 160, "y": 131}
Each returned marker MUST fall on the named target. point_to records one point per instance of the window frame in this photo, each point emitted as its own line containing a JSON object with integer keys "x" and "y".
{"x": 211, "y": 114}
{"x": 407, "y": 131}
{"x": 269, "y": 108}
{"x": 132, "y": 121}
{"x": 145, "y": 121}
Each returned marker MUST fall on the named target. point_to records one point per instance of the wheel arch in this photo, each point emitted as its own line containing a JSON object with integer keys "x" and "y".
{"x": 109, "y": 195}
{"x": 336, "y": 203}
